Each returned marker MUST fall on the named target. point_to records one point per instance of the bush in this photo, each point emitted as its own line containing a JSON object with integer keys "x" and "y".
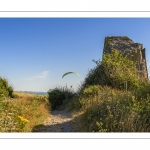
{"x": 104, "y": 102}
{"x": 5, "y": 89}
{"x": 95, "y": 76}
{"x": 143, "y": 91}
{"x": 114, "y": 70}
{"x": 111, "y": 110}
{"x": 92, "y": 90}
{"x": 119, "y": 68}
{"x": 57, "y": 95}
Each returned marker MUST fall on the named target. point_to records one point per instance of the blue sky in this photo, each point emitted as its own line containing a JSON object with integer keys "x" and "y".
{"x": 36, "y": 52}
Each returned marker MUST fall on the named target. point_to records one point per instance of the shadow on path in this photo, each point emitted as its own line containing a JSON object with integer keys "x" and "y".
{"x": 63, "y": 127}
{"x": 59, "y": 121}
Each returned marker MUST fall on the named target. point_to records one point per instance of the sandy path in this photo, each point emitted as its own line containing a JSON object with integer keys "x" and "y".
{"x": 58, "y": 121}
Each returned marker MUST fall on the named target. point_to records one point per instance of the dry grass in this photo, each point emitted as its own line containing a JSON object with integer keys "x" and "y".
{"x": 110, "y": 110}
{"x": 31, "y": 107}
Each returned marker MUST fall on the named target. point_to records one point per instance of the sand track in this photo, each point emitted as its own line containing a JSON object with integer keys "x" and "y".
{"x": 58, "y": 121}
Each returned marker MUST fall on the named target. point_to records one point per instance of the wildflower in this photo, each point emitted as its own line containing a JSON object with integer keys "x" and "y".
{"x": 23, "y": 119}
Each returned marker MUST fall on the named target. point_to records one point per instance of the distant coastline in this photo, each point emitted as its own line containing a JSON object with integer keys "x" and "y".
{"x": 33, "y": 92}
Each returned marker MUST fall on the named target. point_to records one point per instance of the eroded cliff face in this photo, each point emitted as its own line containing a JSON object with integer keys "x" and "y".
{"x": 126, "y": 46}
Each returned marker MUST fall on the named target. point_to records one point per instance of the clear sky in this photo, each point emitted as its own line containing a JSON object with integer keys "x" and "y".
{"x": 36, "y": 52}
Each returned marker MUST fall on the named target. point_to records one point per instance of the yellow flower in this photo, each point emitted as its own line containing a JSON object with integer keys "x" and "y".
{"x": 24, "y": 120}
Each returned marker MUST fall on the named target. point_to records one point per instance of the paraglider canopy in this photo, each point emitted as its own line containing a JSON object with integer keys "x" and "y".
{"x": 70, "y": 73}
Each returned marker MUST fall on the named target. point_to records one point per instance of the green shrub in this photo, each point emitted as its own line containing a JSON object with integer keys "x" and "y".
{"x": 95, "y": 76}
{"x": 119, "y": 68}
{"x": 102, "y": 108}
{"x": 5, "y": 89}
{"x": 105, "y": 103}
{"x": 57, "y": 95}
{"x": 89, "y": 95}
{"x": 115, "y": 111}
{"x": 92, "y": 90}
{"x": 111, "y": 110}
{"x": 143, "y": 91}
{"x": 114, "y": 70}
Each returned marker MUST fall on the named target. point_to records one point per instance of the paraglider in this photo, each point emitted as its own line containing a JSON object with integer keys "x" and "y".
{"x": 70, "y": 73}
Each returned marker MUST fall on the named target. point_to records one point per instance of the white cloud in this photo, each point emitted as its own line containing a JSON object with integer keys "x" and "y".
{"x": 42, "y": 75}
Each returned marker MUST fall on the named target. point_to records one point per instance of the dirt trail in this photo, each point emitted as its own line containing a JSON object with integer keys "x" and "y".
{"x": 58, "y": 121}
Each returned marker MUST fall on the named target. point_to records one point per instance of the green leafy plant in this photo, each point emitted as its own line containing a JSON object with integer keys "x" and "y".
{"x": 92, "y": 90}
{"x": 119, "y": 69}
{"x": 114, "y": 70}
{"x": 5, "y": 88}
{"x": 58, "y": 95}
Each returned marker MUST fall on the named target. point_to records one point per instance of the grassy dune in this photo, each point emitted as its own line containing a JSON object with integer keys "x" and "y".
{"x": 104, "y": 109}
{"x": 23, "y": 112}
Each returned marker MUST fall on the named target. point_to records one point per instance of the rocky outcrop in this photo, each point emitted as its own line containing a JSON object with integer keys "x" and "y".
{"x": 126, "y": 46}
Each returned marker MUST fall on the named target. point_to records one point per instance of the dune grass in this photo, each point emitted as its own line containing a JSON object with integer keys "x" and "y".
{"x": 23, "y": 112}
{"x": 104, "y": 109}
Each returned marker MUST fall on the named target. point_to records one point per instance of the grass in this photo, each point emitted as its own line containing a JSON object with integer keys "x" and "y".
{"x": 23, "y": 112}
{"x": 103, "y": 104}
{"x": 96, "y": 109}
{"x": 104, "y": 109}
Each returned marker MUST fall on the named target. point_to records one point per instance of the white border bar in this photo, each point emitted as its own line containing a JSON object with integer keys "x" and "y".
{"x": 74, "y": 14}
{"x": 75, "y": 135}
{"x": 74, "y": 5}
